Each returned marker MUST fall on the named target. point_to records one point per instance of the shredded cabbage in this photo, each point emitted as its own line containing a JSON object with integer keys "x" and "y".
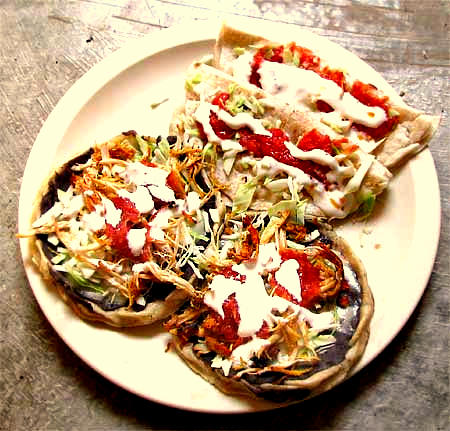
{"x": 239, "y": 103}
{"x": 81, "y": 281}
{"x": 193, "y": 81}
{"x": 161, "y": 152}
{"x": 244, "y": 196}
{"x": 367, "y": 204}
{"x": 289, "y": 205}
{"x": 296, "y": 209}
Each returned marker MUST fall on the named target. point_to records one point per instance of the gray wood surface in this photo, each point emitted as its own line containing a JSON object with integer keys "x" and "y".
{"x": 45, "y": 46}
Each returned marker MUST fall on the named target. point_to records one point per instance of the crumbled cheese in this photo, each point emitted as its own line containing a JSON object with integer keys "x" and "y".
{"x": 136, "y": 240}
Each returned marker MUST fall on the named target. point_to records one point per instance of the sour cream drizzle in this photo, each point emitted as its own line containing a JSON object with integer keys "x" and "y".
{"x": 237, "y": 121}
{"x": 252, "y": 291}
{"x": 336, "y": 203}
{"x": 306, "y": 87}
{"x": 333, "y": 203}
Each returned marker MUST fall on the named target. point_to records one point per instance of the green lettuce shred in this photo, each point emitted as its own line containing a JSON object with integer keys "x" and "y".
{"x": 296, "y": 59}
{"x": 142, "y": 146}
{"x": 161, "y": 152}
{"x": 244, "y": 196}
{"x": 296, "y": 209}
{"x": 197, "y": 236}
{"x": 300, "y": 208}
{"x": 239, "y": 103}
{"x": 287, "y": 205}
{"x": 77, "y": 279}
{"x": 287, "y": 56}
{"x": 367, "y": 204}
{"x": 238, "y": 50}
{"x": 208, "y": 152}
{"x": 191, "y": 82}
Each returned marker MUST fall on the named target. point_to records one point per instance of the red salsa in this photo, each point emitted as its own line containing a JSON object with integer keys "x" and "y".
{"x": 118, "y": 234}
{"x": 274, "y": 145}
{"x": 309, "y": 279}
{"x": 305, "y": 59}
{"x": 221, "y": 333}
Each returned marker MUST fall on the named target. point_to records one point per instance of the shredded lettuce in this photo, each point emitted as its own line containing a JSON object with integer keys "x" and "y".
{"x": 289, "y": 205}
{"x": 296, "y": 58}
{"x": 238, "y": 50}
{"x": 161, "y": 152}
{"x": 208, "y": 152}
{"x": 333, "y": 126}
{"x": 367, "y": 204}
{"x": 295, "y": 245}
{"x": 193, "y": 132}
{"x": 244, "y": 196}
{"x": 59, "y": 258}
{"x": 239, "y": 103}
{"x": 81, "y": 281}
{"x": 296, "y": 209}
{"x": 142, "y": 148}
{"x": 322, "y": 340}
{"x": 287, "y": 55}
{"x": 198, "y": 236}
{"x": 300, "y": 208}
{"x": 193, "y": 81}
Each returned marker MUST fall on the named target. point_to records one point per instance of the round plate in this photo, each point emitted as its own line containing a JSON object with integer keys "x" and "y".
{"x": 397, "y": 245}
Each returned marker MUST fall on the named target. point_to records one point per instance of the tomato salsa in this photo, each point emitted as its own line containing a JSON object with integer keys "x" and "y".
{"x": 304, "y": 58}
{"x": 273, "y": 145}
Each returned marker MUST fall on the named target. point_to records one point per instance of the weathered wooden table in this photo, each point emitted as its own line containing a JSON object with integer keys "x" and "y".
{"x": 45, "y": 46}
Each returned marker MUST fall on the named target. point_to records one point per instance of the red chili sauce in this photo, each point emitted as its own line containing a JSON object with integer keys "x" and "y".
{"x": 221, "y": 333}
{"x": 130, "y": 216}
{"x": 309, "y": 280}
{"x": 274, "y": 145}
{"x": 365, "y": 93}
{"x": 118, "y": 234}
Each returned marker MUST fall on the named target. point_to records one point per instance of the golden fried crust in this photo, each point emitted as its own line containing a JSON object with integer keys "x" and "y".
{"x": 409, "y": 138}
{"x": 322, "y": 380}
{"x": 228, "y": 38}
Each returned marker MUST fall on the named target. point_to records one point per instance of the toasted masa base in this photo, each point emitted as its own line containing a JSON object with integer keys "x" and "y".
{"x": 412, "y": 134}
{"x": 123, "y": 317}
{"x": 292, "y": 389}
{"x": 295, "y": 123}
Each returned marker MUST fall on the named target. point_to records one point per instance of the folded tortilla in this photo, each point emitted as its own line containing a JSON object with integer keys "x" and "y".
{"x": 410, "y": 136}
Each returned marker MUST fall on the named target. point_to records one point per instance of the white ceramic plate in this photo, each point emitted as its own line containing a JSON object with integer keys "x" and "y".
{"x": 115, "y": 96}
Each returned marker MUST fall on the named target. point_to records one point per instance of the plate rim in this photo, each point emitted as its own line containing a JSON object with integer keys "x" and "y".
{"x": 135, "y": 51}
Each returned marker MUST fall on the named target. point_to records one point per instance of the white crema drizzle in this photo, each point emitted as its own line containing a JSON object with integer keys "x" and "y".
{"x": 335, "y": 204}
{"x": 255, "y": 305}
{"x": 306, "y": 87}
